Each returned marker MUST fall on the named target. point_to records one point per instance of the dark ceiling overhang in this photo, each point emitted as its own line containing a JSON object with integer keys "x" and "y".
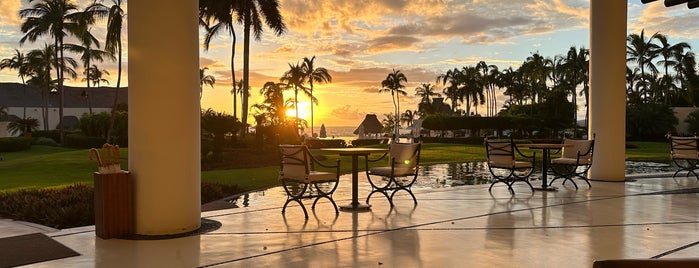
{"x": 668, "y": 3}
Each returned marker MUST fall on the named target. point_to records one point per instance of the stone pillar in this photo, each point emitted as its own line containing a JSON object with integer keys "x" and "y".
{"x": 164, "y": 115}
{"x": 608, "y": 88}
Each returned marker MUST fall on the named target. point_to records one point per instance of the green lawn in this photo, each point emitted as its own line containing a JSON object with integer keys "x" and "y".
{"x": 45, "y": 166}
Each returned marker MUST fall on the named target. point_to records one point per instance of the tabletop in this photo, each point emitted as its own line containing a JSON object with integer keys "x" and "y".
{"x": 543, "y": 145}
{"x": 354, "y": 150}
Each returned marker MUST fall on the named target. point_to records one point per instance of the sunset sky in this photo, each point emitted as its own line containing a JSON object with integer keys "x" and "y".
{"x": 361, "y": 41}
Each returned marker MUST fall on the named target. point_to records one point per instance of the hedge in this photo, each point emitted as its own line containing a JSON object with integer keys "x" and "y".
{"x": 15, "y": 144}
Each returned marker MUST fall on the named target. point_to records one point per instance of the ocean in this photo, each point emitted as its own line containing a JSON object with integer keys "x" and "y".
{"x": 341, "y": 132}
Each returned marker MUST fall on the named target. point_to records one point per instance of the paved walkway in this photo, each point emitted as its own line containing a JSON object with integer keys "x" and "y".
{"x": 465, "y": 226}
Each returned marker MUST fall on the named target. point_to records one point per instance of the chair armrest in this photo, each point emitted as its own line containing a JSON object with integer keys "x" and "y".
{"x": 377, "y": 159}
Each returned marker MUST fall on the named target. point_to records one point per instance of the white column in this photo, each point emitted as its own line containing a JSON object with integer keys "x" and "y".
{"x": 608, "y": 88}
{"x": 164, "y": 114}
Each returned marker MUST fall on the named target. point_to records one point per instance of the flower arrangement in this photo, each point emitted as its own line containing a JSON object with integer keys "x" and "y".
{"x": 107, "y": 158}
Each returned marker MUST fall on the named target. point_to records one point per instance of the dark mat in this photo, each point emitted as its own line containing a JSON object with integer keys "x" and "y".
{"x": 31, "y": 248}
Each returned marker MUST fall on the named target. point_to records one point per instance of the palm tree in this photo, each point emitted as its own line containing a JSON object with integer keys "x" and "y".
{"x": 235, "y": 91}
{"x": 408, "y": 117}
{"x": 23, "y": 127}
{"x": 252, "y": 13}
{"x": 319, "y": 75}
{"x": 273, "y": 104}
{"x": 115, "y": 20}
{"x": 473, "y": 88}
{"x": 671, "y": 57}
{"x": 39, "y": 63}
{"x": 57, "y": 18}
{"x": 426, "y": 92}
{"x": 392, "y": 84}
{"x": 642, "y": 51}
{"x": 89, "y": 48}
{"x": 205, "y": 79}
{"x": 95, "y": 75}
{"x": 295, "y": 79}
{"x": 452, "y": 91}
{"x": 17, "y": 62}
{"x": 217, "y": 17}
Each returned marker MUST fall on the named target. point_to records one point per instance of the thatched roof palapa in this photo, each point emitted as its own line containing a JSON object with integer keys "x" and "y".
{"x": 371, "y": 125}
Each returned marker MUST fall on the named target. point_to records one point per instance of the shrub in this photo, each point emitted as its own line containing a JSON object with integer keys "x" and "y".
{"x": 212, "y": 191}
{"x": 318, "y": 143}
{"x": 365, "y": 142}
{"x": 45, "y": 141}
{"x": 15, "y": 144}
{"x": 67, "y": 207}
{"x": 80, "y": 141}
{"x": 55, "y": 135}
{"x": 74, "y": 206}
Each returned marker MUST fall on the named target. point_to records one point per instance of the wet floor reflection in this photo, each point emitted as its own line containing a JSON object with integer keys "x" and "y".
{"x": 444, "y": 176}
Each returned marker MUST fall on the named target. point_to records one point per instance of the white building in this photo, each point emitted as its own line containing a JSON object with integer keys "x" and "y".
{"x": 24, "y": 101}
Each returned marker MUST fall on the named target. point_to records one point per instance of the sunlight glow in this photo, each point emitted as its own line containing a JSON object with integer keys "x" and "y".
{"x": 304, "y": 111}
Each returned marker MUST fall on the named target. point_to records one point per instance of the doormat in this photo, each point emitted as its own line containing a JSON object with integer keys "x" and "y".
{"x": 31, "y": 248}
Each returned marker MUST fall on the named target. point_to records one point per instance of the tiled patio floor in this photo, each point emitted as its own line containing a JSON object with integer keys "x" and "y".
{"x": 463, "y": 226}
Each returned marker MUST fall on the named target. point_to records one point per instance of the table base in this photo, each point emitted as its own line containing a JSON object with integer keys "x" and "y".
{"x": 358, "y": 207}
{"x": 548, "y": 189}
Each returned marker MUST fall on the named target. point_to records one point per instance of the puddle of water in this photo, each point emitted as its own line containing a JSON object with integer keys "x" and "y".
{"x": 442, "y": 176}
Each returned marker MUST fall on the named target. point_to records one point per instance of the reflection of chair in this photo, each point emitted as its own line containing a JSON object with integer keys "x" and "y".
{"x": 503, "y": 165}
{"x": 400, "y": 175}
{"x": 575, "y": 161}
{"x": 685, "y": 155}
{"x": 300, "y": 179}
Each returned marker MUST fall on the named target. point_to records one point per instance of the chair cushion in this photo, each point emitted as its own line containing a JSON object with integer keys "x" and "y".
{"x": 694, "y": 156}
{"x": 578, "y": 146}
{"x": 570, "y": 161}
{"x": 405, "y": 155}
{"x": 386, "y": 171}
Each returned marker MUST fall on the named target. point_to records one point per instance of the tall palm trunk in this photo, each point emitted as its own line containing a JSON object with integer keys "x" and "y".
{"x": 116, "y": 97}
{"x": 246, "y": 64}
{"x": 89, "y": 90}
{"x": 310, "y": 82}
{"x": 235, "y": 89}
{"x": 59, "y": 70}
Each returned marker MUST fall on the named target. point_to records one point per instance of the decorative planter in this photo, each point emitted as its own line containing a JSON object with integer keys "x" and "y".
{"x": 114, "y": 214}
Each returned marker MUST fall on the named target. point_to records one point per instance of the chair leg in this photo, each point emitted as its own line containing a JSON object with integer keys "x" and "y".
{"x": 305, "y": 212}
{"x": 408, "y": 191}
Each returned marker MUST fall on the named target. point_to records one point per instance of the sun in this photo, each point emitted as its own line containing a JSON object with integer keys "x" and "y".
{"x": 304, "y": 111}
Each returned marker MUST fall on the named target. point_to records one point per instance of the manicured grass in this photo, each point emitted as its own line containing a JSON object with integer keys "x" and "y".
{"x": 45, "y": 166}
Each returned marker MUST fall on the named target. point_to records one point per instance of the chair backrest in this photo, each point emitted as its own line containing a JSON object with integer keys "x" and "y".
{"x": 683, "y": 145}
{"x": 582, "y": 147}
{"x": 500, "y": 152}
{"x": 295, "y": 161}
{"x": 406, "y": 155}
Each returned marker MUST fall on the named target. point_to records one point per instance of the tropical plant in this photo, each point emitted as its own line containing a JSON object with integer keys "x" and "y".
{"x": 57, "y": 18}
{"x": 313, "y": 74}
{"x": 642, "y": 52}
{"x": 217, "y": 17}
{"x": 17, "y": 62}
{"x": 408, "y": 117}
{"x": 23, "y": 127}
{"x": 392, "y": 84}
{"x": 295, "y": 79}
{"x": 426, "y": 92}
{"x": 115, "y": 20}
{"x": 89, "y": 47}
{"x": 205, "y": 79}
{"x": 217, "y": 125}
{"x": 253, "y": 11}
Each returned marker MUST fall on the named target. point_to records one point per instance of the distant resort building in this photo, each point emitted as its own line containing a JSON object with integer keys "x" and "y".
{"x": 25, "y": 101}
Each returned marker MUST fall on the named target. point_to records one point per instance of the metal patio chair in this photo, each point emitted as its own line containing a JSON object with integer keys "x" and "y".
{"x": 685, "y": 155}
{"x": 300, "y": 179}
{"x": 504, "y": 166}
{"x": 575, "y": 161}
{"x": 400, "y": 175}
